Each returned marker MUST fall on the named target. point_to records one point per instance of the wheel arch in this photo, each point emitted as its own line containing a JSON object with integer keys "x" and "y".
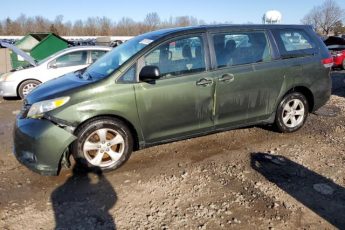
{"x": 20, "y": 83}
{"x": 306, "y": 92}
{"x": 131, "y": 127}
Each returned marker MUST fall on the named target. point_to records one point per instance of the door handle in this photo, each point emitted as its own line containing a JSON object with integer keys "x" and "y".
{"x": 204, "y": 82}
{"x": 227, "y": 78}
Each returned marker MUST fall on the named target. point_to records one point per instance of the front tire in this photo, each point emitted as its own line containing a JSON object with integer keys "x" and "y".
{"x": 26, "y": 87}
{"x": 105, "y": 143}
{"x": 292, "y": 113}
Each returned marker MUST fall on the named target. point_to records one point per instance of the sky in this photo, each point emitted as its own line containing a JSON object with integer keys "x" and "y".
{"x": 237, "y": 12}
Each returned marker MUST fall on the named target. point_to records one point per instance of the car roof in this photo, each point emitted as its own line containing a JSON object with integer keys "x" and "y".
{"x": 165, "y": 32}
{"x": 81, "y": 48}
{"x": 88, "y": 48}
{"x": 74, "y": 48}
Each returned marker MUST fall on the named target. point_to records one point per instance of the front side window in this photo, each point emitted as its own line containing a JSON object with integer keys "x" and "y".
{"x": 237, "y": 48}
{"x": 72, "y": 59}
{"x": 294, "y": 42}
{"x": 128, "y": 76}
{"x": 178, "y": 57}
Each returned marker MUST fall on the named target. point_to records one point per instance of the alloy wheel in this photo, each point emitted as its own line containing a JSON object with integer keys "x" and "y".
{"x": 104, "y": 147}
{"x": 28, "y": 88}
{"x": 293, "y": 113}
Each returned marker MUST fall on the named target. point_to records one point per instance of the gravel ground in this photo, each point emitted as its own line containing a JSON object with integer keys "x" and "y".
{"x": 250, "y": 178}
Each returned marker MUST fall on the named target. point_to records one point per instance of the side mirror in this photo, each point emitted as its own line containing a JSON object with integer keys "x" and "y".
{"x": 52, "y": 65}
{"x": 149, "y": 73}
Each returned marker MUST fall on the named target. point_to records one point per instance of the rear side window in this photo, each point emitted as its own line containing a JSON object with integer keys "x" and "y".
{"x": 238, "y": 48}
{"x": 294, "y": 43}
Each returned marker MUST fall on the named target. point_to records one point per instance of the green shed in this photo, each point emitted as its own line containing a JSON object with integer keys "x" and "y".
{"x": 38, "y": 46}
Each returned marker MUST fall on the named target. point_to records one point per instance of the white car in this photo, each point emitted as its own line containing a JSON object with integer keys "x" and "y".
{"x": 20, "y": 82}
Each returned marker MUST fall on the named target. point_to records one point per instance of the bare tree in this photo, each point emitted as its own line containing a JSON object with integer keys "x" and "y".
{"x": 59, "y": 25}
{"x": 167, "y": 23}
{"x": 53, "y": 29}
{"x": 193, "y": 21}
{"x": 92, "y": 26}
{"x": 126, "y": 26}
{"x": 28, "y": 25}
{"x": 325, "y": 16}
{"x": 187, "y": 21}
{"x": 10, "y": 27}
{"x": 21, "y": 21}
{"x": 105, "y": 25}
{"x": 152, "y": 21}
{"x": 68, "y": 28}
{"x": 312, "y": 18}
{"x": 339, "y": 28}
{"x": 41, "y": 24}
{"x": 78, "y": 28}
{"x": 182, "y": 21}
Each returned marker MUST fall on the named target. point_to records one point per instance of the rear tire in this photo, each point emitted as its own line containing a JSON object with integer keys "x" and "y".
{"x": 26, "y": 87}
{"x": 103, "y": 143}
{"x": 292, "y": 113}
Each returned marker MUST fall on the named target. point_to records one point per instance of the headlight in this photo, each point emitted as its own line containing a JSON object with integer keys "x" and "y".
{"x": 38, "y": 109}
{"x": 5, "y": 76}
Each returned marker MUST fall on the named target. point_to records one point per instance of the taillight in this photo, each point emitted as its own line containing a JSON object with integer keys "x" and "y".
{"x": 327, "y": 62}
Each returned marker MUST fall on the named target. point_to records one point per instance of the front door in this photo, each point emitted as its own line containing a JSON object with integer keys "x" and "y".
{"x": 180, "y": 103}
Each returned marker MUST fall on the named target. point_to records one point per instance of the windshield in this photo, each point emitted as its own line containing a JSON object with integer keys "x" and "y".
{"x": 111, "y": 61}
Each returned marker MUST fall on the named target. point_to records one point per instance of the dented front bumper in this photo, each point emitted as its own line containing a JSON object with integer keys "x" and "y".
{"x": 39, "y": 144}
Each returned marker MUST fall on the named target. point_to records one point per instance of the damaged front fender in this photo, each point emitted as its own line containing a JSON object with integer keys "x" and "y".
{"x": 39, "y": 144}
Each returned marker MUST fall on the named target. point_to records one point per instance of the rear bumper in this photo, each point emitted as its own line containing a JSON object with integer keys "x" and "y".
{"x": 39, "y": 145}
{"x": 8, "y": 89}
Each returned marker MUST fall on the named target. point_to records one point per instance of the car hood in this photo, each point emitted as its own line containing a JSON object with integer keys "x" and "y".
{"x": 57, "y": 87}
{"x": 334, "y": 41}
{"x": 20, "y": 52}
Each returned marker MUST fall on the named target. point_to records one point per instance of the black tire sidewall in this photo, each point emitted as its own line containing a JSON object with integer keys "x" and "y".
{"x": 279, "y": 115}
{"x": 88, "y": 128}
{"x": 22, "y": 85}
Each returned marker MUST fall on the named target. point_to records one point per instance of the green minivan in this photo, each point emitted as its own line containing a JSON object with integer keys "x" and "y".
{"x": 173, "y": 84}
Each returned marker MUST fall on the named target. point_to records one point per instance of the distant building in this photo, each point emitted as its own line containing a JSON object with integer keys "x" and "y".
{"x": 272, "y": 17}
